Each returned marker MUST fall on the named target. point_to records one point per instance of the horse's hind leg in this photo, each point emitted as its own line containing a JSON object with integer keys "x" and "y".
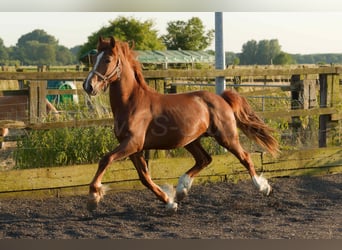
{"x": 202, "y": 159}
{"x": 233, "y": 145}
{"x": 142, "y": 169}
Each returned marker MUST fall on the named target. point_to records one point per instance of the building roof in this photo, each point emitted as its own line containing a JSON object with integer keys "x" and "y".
{"x": 174, "y": 56}
{"x": 165, "y": 56}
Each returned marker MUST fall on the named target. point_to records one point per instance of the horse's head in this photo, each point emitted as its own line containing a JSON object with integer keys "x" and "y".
{"x": 106, "y": 67}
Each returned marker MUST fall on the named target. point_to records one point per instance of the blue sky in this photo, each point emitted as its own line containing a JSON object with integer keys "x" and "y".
{"x": 297, "y": 32}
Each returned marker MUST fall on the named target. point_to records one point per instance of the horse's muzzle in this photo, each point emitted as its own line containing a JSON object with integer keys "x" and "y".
{"x": 88, "y": 88}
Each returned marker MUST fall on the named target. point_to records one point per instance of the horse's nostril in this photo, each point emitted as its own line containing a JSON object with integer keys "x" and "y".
{"x": 87, "y": 87}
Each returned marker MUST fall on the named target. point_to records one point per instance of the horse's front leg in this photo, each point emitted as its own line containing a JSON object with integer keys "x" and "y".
{"x": 96, "y": 190}
{"x": 166, "y": 196}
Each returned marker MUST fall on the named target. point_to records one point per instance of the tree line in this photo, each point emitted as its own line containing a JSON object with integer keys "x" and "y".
{"x": 38, "y": 47}
{"x": 267, "y": 52}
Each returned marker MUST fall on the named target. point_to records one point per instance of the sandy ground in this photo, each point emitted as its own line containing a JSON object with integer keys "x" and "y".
{"x": 299, "y": 208}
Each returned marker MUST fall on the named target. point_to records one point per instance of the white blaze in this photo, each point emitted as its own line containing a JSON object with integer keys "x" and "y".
{"x": 91, "y": 73}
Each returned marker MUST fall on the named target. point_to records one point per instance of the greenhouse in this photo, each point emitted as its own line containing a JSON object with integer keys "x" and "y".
{"x": 173, "y": 58}
{"x": 166, "y": 58}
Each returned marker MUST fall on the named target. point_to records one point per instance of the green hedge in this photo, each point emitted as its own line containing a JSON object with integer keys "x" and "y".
{"x": 60, "y": 147}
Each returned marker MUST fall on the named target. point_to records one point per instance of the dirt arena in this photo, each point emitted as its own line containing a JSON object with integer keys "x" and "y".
{"x": 299, "y": 208}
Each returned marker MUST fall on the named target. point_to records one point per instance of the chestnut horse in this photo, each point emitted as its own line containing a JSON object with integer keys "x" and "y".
{"x": 145, "y": 119}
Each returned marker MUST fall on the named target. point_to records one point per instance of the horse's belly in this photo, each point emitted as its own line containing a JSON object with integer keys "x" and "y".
{"x": 167, "y": 137}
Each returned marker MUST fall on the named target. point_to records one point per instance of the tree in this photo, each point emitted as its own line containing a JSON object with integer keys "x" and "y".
{"x": 37, "y": 35}
{"x": 34, "y": 53}
{"x": 262, "y": 52}
{"x": 38, "y": 47}
{"x": 75, "y": 50}
{"x": 274, "y": 49}
{"x": 190, "y": 35}
{"x": 267, "y": 50}
{"x": 231, "y": 59}
{"x": 283, "y": 59}
{"x": 127, "y": 29}
{"x": 3, "y": 52}
{"x": 248, "y": 55}
{"x": 64, "y": 56}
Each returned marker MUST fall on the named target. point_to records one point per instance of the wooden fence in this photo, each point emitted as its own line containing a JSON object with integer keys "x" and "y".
{"x": 122, "y": 176}
{"x": 302, "y": 87}
{"x": 303, "y": 84}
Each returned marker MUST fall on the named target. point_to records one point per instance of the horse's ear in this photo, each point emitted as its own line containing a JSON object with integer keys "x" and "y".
{"x": 132, "y": 44}
{"x": 100, "y": 39}
{"x": 112, "y": 42}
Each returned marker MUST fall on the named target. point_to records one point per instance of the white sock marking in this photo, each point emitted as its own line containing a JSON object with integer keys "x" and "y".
{"x": 184, "y": 185}
{"x": 262, "y": 184}
{"x": 170, "y": 191}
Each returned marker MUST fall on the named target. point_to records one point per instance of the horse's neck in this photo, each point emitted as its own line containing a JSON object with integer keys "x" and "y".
{"x": 125, "y": 93}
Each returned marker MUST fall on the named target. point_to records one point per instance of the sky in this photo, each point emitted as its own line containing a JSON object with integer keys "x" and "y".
{"x": 297, "y": 32}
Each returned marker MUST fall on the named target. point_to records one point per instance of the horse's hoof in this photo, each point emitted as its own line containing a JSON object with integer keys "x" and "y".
{"x": 183, "y": 187}
{"x": 181, "y": 194}
{"x": 91, "y": 205}
{"x": 171, "y": 207}
{"x": 93, "y": 200}
{"x": 268, "y": 190}
{"x": 262, "y": 184}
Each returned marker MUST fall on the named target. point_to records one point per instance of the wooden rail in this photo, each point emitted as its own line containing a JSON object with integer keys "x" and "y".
{"x": 71, "y": 180}
{"x": 109, "y": 121}
{"x": 38, "y": 79}
{"x": 121, "y": 176}
{"x": 170, "y": 73}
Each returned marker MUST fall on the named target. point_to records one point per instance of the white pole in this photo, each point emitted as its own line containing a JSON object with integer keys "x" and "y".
{"x": 219, "y": 52}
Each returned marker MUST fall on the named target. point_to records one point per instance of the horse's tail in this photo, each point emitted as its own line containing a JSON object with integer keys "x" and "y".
{"x": 250, "y": 123}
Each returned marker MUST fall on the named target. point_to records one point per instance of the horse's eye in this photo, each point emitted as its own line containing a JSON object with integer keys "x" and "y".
{"x": 107, "y": 60}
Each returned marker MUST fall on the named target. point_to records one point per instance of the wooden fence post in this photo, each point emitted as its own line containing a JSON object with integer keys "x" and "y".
{"x": 37, "y": 100}
{"x": 42, "y": 99}
{"x": 323, "y": 103}
{"x": 335, "y": 95}
{"x": 33, "y": 87}
{"x": 329, "y": 97}
{"x": 303, "y": 96}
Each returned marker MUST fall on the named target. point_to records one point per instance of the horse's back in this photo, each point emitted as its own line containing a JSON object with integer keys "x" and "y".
{"x": 198, "y": 104}
{"x": 214, "y": 102}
